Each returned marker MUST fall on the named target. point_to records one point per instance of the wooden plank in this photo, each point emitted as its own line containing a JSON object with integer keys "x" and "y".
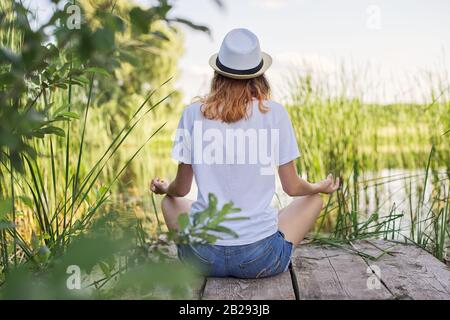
{"x": 278, "y": 287}
{"x": 196, "y": 288}
{"x": 407, "y": 271}
{"x": 328, "y": 273}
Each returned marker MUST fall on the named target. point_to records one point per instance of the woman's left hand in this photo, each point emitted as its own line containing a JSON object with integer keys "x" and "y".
{"x": 159, "y": 186}
{"x": 328, "y": 185}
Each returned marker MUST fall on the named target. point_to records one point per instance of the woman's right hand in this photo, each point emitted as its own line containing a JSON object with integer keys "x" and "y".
{"x": 329, "y": 185}
{"x": 159, "y": 186}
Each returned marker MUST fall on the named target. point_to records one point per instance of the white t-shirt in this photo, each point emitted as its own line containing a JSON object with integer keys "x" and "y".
{"x": 237, "y": 162}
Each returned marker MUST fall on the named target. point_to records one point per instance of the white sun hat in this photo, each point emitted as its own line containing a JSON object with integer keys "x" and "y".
{"x": 240, "y": 56}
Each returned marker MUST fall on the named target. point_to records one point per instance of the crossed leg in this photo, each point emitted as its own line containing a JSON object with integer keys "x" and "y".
{"x": 296, "y": 219}
{"x": 172, "y": 207}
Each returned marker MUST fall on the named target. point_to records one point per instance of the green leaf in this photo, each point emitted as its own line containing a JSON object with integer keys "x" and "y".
{"x": 101, "y": 192}
{"x": 53, "y": 130}
{"x": 209, "y": 238}
{"x": 105, "y": 268}
{"x": 227, "y": 209}
{"x": 235, "y": 219}
{"x": 192, "y": 25}
{"x": 60, "y": 85}
{"x": 6, "y": 79}
{"x": 69, "y": 114}
{"x": 62, "y": 108}
{"x": 82, "y": 79}
{"x": 212, "y": 200}
{"x": 141, "y": 19}
{"x": 183, "y": 221}
{"x": 27, "y": 201}
{"x": 163, "y": 8}
{"x": 104, "y": 39}
{"x": 43, "y": 253}
{"x": 226, "y": 230}
{"x": 75, "y": 82}
{"x": 160, "y": 35}
{"x": 200, "y": 217}
{"x": 98, "y": 70}
{"x": 129, "y": 57}
{"x": 5, "y": 207}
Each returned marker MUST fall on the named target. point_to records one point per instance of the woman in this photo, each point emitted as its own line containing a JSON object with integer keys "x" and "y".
{"x": 247, "y": 136}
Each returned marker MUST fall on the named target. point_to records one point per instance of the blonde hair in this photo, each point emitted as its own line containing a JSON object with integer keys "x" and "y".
{"x": 229, "y": 99}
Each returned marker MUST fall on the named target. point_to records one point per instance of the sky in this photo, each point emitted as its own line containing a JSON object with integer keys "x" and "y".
{"x": 388, "y": 47}
{"x": 391, "y": 44}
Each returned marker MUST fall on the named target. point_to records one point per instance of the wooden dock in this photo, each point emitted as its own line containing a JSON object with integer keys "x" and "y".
{"x": 364, "y": 270}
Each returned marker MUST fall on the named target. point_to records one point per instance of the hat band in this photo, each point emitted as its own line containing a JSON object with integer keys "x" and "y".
{"x": 240, "y": 72}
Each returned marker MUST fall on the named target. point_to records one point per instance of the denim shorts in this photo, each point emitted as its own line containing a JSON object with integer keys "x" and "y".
{"x": 263, "y": 258}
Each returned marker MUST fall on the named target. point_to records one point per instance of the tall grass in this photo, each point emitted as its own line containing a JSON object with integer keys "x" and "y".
{"x": 62, "y": 209}
{"x": 61, "y": 191}
{"x": 51, "y": 193}
{"x": 340, "y": 133}
{"x": 426, "y": 224}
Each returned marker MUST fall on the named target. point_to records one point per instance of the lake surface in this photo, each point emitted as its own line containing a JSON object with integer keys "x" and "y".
{"x": 390, "y": 190}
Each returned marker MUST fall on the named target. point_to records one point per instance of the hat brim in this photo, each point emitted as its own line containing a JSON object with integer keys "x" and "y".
{"x": 267, "y": 62}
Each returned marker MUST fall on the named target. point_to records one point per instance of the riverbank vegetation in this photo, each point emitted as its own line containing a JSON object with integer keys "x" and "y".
{"x": 86, "y": 118}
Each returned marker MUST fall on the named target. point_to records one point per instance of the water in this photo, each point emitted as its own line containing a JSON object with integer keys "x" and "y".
{"x": 386, "y": 191}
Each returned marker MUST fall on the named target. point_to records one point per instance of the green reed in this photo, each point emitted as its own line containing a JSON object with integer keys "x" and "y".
{"x": 351, "y": 138}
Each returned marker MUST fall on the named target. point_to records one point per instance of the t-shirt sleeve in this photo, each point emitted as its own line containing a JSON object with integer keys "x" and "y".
{"x": 287, "y": 143}
{"x": 182, "y": 143}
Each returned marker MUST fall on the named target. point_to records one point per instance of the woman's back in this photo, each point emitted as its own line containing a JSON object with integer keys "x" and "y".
{"x": 233, "y": 141}
{"x": 237, "y": 162}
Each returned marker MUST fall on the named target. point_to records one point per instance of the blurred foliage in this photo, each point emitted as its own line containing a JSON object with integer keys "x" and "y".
{"x": 350, "y": 134}
{"x": 138, "y": 47}
{"x": 117, "y": 259}
{"x": 68, "y": 100}
{"x": 147, "y": 51}
{"x": 205, "y": 226}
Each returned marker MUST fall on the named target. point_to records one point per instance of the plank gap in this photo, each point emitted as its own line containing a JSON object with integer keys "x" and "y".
{"x": 294, "y": 281}
{"x": 201, "y": 289}
{"x": 373, "y": 271}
